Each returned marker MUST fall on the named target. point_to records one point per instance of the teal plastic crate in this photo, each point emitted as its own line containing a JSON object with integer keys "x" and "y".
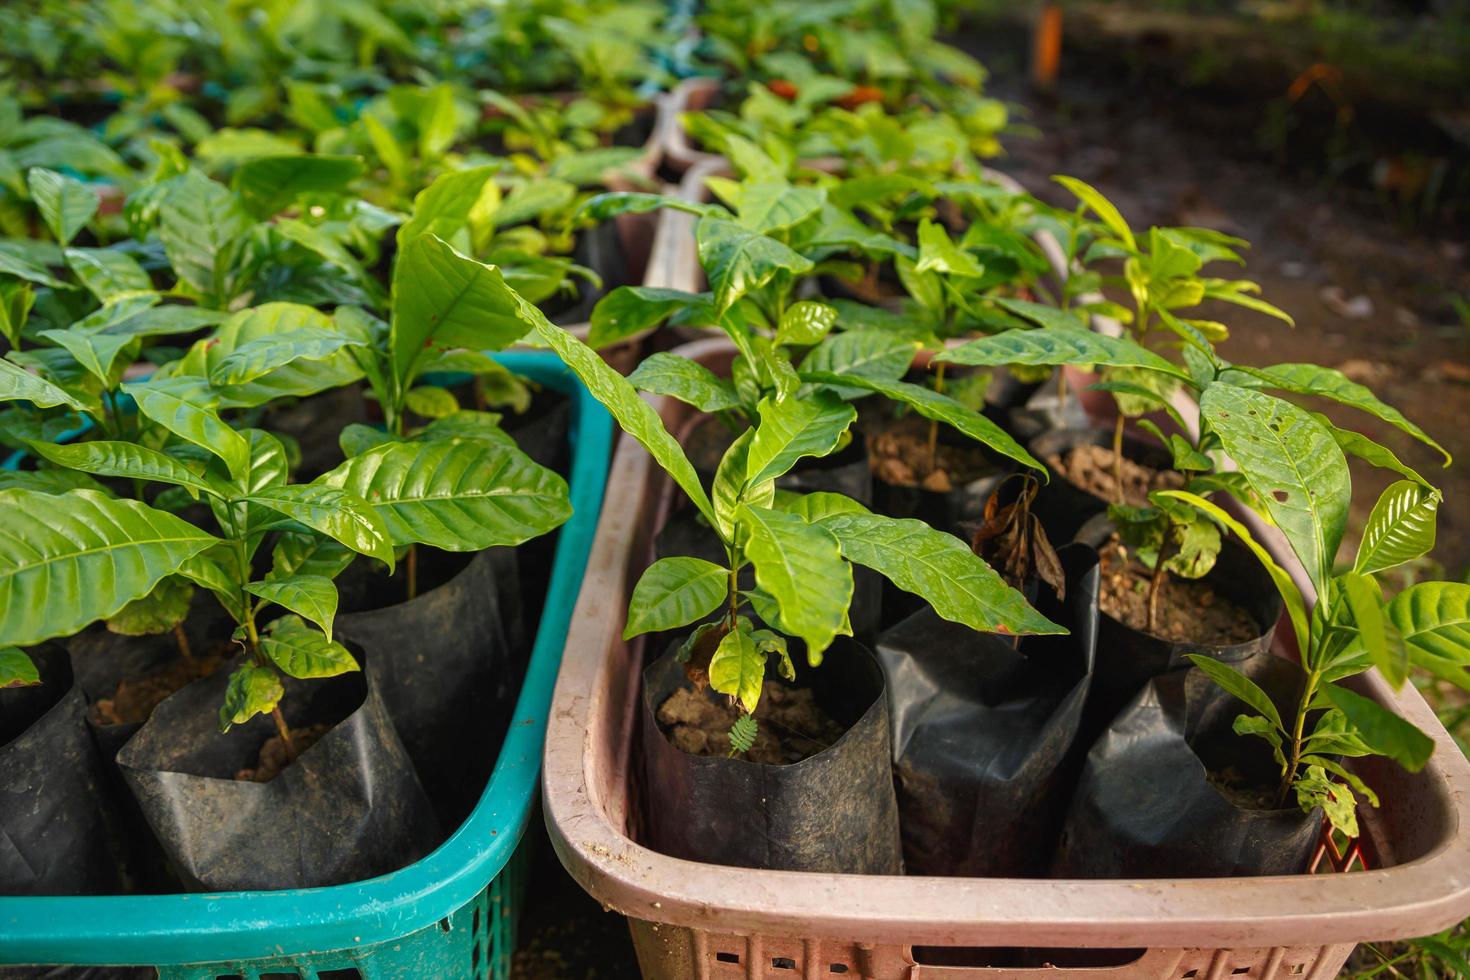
{"x": 450, "y": 916}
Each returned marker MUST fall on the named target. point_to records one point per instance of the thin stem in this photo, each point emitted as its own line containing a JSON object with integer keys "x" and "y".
{"x": 283, "y": 731}
{"x": 1118, "y": 458}
{"x": 1288, "y": 772}
{"x": 934, "y": 423}
{"x": 413, "y": 570}
{"x": 734, "y": 588}
{"x": 1156, "y": 586}
{"x": 182, "y": 639}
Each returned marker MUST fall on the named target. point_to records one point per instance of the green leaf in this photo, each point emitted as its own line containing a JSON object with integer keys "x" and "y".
{"x": 456, "y": 495}
{"x": 634, "y": 415}
{"x": 1101, "y": 206}
{"x": 1294, "y": 466}
{"x": 1239, "y": 685}
{"x": 463, "y": 424}
{"x": 939, "y": 568}
{"x": 630, "y": 310}
{"x": 1314, "y": 789}
{"x": 157, "y": 612}
{"x": 257, "y": 358}
{"x": 65, "y": 203}
{"x": 303, "y": 652}
{"x": 875, "y": 354}
{"x": 529, "y": 201}
{"x": 1295, "y": 605}
{"x": 268, "y": 184}
{"x": 937, "y": 253}
{"x": 1400, "y": 529}
{"x": 124, "y": 460}
{"x": 311, "y": 596}
{"x": 199, "y": 223}
{"x": 431, "y": 402}
{"x": 297, "y": 553}
{"x": 108, "y": 273}
{"x": 813, "y": 507}
{"x": 18, "y": 384}
{"x": 1434, "y": 620}
{"x": 793, "y": 429}
{"x": 1359, "y": 445}
{"x": 941, "y": 408}
{"x": 17, "y": 669}
{"x": 1385, "y": 732}
{"x": 96, "y": 352}
{"x": 738, "y": 668}
{"x": 743, "y": 734}
{"x": 1057, "y": 346}
{"x": 15, "y": 262}
{"x": 767, "y": 206}
{"x": 445, "y": 298}
{"x": 1323, "y": 382}
{"x": 70, "y": 559}
{"x": 444, "y": 207}
{"x": 730, "y": 487}
{"x": 16, "y": 300}
{"x": 1365, "y": 602}
{"x": 790, "y": 557}
{"x": 1041, "y": 314}
{"x": 341, "y": 515}
{"x": 49, "y": 480}
{"x": 663, "y": 373}
{"x": 184, "y": 406}
{"x": 604, "y": 206}
{"x": 292, "y": 378}
{"x": 675, "y": 592}
{"x": 738, "y": 260}
{"x": 252, "y": 691}
{"x": 805, "y": 323}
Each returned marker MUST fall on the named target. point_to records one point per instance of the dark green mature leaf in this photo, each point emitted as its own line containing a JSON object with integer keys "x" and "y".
{"x": 1381, "y": 729}
{"x": 675, "y": 592}
{"x": 67, "y": 560}
{"x": 185, "y": 407}
{"x": 793, "y": 429}
{"x": 252, "y": 691}
{"x": 447, "y": 299}
{"x": 1040, "y": 314}
{"x": 463, "y": 495}
{"x": 311, "y": 596}
{"x": 604, "y": 206}
{"x": 1296, "y": 608}
{"x": 303, "y": 652}
{"x": 258, "y": 358}
{"x": 1239, "y": 685}
{"x": 1311, "y": 379}
{"x": 1055, "y": 347}
{"x": 630, "y": 310}
{"x": 65, "y": 203}
{"x": 270, "y": 183}
{"x": 1294, "y": 466}
{"x": 634, "y": 415}
{"x": 678, "y": 377}
{"x": 339, "y": 514}
{"x": 790, "y": 556}
{"x": 157, "y": 612}
{"x": 1434, "y": 619}
{"x": 108, "y": 273}
{"x": 18, "y": 384}
{"x": 199, "y": 222}
{"x": 941, "y": 408}
{"x": 738, "y": 668}
{"x": 300, "y": 553}
{"x": 1400, "y": 529}
{"x": 124, "y": 460}
{"x": 15, "y": 262}
{"x": 738, "y": 260}
{"x": 938, "y": 568}
{"x": 17, "y": 669}
{"x": 875, "y": 354}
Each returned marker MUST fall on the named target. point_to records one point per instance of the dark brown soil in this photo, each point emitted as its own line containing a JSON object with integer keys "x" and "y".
{"x": 707, "y": 442}
{"x": 1240, "y": 791}
{"x": 898, "y": 452}
{"x": 792, "y": 726}
{"x": 1091, "y": 468}
{"x": 1189, "y": 610}
{"x": 274, "y": 757}
{"x": 134, "y": 700}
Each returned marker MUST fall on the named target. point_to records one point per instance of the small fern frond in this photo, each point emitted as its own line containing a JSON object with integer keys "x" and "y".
{"x": 742, "y": 734}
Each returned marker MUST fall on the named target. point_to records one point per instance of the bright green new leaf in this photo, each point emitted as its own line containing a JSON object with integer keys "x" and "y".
{"x": 789, "y": 556}
{"x": 937, "y": 253}
{"x": 431, "y": 402}
{"x": 185, "y": 407}
{"x": 730, "y": 486}
{"x": 738, "y": 668}
{"x": 938, "y": 568}
{"x": 268, "y": 184}
{"x": 630, "y": 310}
{"x": 464, "y": 495}
{"x": 303, "y": 652}
{"x": 257, "y": 358}
{"x": 70, "y": 559}
{"x": 1057, "y": 346}
{"x": 767, "y": 206}
{"x": 1092, "y": 198}
{"x": 1365, "y": 601}
{"x": 65, "y": 203}
{"x": 311, "y": 596}
{"x": 1400, "y": 529}
{"x": 793, "y": 429}
{"x": 1359, "y": 445}
{"x": 1383, "y": 730}
{"x": 298, "y": 553}
{"x": 199, "y": 223}
{"x": 875, "y": 354}
{"x": 738, "y": 260}
{"x": 1293, "y": 464}
{"x": 123, "y": 460}
{"x": 805, "y": 323}
{"x": 339, "y": 514}
{"x": 1239, "y": 685}
{"x": 1434, "y": 620}
{"x": 675, "y": 592}
{"x": 663, "y": 373}
{"x": 444, "y": 207}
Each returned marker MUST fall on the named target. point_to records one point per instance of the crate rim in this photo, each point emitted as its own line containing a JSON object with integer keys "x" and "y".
{"x": 185, "y": 929}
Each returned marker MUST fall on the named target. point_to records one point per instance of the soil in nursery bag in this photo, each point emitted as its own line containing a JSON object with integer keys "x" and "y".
{"x": 1083, "y": 484}
{"x": 1170, "y": 791}
{"x": 943, "y": 489}
{"x": 348, "y": 807}
{"x": 53, "y": 831}
{"x": 985, "y": 734}
{"x": 1229, "y": 614}
{"x": 832, "y": 809}
{"x": 446, "y": 664}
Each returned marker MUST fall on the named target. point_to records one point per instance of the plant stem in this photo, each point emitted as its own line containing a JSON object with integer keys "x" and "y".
{"x": 1156, "y": 586}
{"x": 480, "y": 400}
{"x": 182, "y": 639}
{"x": 734, "y": 587}
{"x": 1288, "y": 772}
{"x": 934, "y": 423}
{"x": 412, "y": 561}
{"x": 283, "y": 731}
{"x": 1118, "y": 459}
